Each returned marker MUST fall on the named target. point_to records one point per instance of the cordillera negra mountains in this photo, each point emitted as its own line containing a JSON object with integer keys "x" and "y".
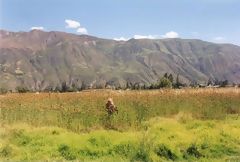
{"x": 42, "y": 60}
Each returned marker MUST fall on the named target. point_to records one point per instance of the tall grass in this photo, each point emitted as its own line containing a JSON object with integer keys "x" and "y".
{"x": 86, "y": 110}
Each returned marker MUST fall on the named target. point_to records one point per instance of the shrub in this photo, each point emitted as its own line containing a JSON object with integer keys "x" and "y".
{"x": 192, "y": 151}
{"x": 125, "y": 149}
{"x": 142, "y": 155}
{"x": 3, "y": 90}
{"x": 142, "y": 152}
{"x": 6, "y": 151}
{"x": 165, "y": 152}
{"x": 224, "y": 83}
{"x": 22, "y": 89}
{"x": 21, "y": 138}
{"x": 55, "y": 132}
{"x": 66, "y": 152}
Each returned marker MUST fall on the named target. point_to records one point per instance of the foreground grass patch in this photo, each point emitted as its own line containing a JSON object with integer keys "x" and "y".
{"x": 159, "y": 139}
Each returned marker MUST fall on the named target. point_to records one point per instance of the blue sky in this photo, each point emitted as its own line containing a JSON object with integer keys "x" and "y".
{"x": 211, "y": 20}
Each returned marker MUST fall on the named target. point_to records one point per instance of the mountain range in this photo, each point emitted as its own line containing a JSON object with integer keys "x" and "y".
{"x": 42, "y": 60}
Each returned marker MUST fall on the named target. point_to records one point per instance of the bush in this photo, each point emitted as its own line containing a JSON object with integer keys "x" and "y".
{"x": 224, "y": 83}
{"x": 192, "y": 151}
{"x": 55, "y": 132}
{"x": 66, "y": 152}
{"x": 142, "y": 155}
{"x": 6, "y": 151}
{"x": 125, "y": 149}
{"x": 165, "y": 152}
{"x": 142, "y": 152}
{"x": 21, "y": 138}
{"x": 21, "y": 89}
{"x": 3, "y": 90}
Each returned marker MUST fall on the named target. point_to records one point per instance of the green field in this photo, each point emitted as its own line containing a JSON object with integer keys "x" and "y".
{"x": 158, "y": 125}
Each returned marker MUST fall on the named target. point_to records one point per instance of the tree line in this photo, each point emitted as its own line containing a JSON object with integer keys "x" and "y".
{"x": 166, "y": 81}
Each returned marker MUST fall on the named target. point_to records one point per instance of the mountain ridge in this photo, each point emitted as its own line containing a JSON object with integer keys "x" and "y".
{"x": 42, "y": 60}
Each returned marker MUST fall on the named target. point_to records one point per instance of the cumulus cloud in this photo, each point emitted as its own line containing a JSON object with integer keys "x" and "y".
{"x": 171, "y": 34}
{"x": 82, "y": 30}
{"x": 121, "y": 39}
{"x": 144, "y": 37}
{"x": 76, "y": 25}
{"x": 37, "y": 28}
{"x": 72, "y": 23}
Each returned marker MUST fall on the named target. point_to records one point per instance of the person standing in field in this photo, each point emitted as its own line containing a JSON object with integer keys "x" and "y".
{"x": 110, "y": 107}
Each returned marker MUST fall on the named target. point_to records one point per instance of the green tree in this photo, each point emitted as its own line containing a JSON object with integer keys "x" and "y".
{"x": 170, "y": 77}
{"x": 65, "y": 88}
{"x": 21, "y": 89}
{"x": 178, "y": 84}
{"x": 224, "y": 83}
{"x": 209, "y": 82}
{"x": 165, "y": 75}
{"x": 165, "y": 83}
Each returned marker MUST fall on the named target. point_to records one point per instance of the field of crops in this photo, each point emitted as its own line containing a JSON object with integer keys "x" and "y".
{"x": 157, "y": 125}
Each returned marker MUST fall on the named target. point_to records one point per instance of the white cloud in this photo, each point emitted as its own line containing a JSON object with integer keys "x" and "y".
{"x": 219, "y": 39}
{"x": 171, "y": 34}
{"x": 72, "y": 23}
{"x": 76, "y": 25}
{"x": 121, "y": 39}
{"x": 145, "y": 37}
{"x": 37, "y": 28}
{"x": 82, "y": 30}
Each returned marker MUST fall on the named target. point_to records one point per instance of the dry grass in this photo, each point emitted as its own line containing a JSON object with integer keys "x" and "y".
{"x": 87, "y": 108}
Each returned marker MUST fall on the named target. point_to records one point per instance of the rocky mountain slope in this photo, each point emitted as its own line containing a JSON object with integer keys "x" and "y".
{"x": 42, "y": 60}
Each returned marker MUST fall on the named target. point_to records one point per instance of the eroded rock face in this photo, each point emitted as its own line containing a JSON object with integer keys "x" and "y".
{"x": 47, "y": 60}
